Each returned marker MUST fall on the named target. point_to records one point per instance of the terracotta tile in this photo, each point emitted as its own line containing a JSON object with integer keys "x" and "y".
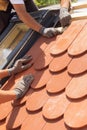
{"x": 52, "y": 41}
{"x": 76, "y": 114}
{"x": 9, "y": 84}
{"x": 45, "y": 106}
{"x": 41, "y": 79}
{"x": 77, "y": 87}
{"x": 5, "y": 109}
{"x": 16, "y": 117}
{"x": 39, "y": 47}
{"x": 37, "y": 100}
{"x": 34, "y": 121}
{"x": 59, "y": 63}
{"x": 58, "y": 82}
{"x": 55, "y": 106}
{"x": 79, "y": 45}
{"x": 28, "y": 71}
{"x": 78, "y": 65}
{"x": 43, "y": 61}
{"x": 56, "y": 125}
{"x": 65, "y": 40}
{"x": 45, "y": 58}
{"x": 2, "y": 126}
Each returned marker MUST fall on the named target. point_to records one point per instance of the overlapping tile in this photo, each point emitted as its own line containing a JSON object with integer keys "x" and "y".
{"x": 58, "y": 82}
{"x": 15, "y": 118}
{"x": 76, "y": 114}
{"x": 55, "y": 106}
{"x": 57, "y": 97}
{"x": 41, "y": 79}
{"x": 68, "y": 37}
{"x": 78, "y": 65}
{"x": 34, "y": 121}
{"x": 37, "y": 100}
{"x": 79, "y": 45}
{"x": 43, "y": 61}
{"x": 59, "y": 63}
{"x": 56, "y": 125}
{"x": 77, "y": 87}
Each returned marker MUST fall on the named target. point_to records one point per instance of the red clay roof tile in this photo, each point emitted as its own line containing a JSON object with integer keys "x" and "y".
{"x": 16, "y": 117}
{"x": 76, "y": 114}
{"x": 56, "y": 125}
{"x": 55, "y": 106}
{"x": 41, "y": 79}
{"x": 77, "y": 87}
{"x": 67, "y": 37}
{"x": 43, "y": 61}
{"x": 59, "y": 63}
{"x": 79, "y": 45}
{"x": 5, "y": 109}
{"x": 37, "y": 100}
{"x": 58, "y": 82}
{"x": 57, "y": 97}
{"x": 34, "y": 121}
{"x": 78, "y": 65}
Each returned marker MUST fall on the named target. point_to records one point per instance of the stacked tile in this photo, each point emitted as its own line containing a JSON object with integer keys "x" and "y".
{"x": 57, "y": 98}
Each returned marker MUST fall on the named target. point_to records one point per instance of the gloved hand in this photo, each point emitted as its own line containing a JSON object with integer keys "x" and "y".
{"x": 20, "y": 65}
{"x": 64, "y": 16}
{"x": 50, "y": 32}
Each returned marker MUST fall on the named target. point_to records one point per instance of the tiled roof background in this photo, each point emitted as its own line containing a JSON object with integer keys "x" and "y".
{"x": 57, "y": 98}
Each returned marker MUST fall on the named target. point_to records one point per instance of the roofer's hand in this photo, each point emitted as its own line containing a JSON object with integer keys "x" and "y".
{"x": 64, "y": 16}
{"x": 50, "y": 32}
{"x": 21, "y": 65}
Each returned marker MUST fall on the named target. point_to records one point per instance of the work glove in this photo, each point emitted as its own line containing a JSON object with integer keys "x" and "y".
{"x": 20, "y": 65}
{"x": 50, "y": 32}
{"x": 64, "y": 16}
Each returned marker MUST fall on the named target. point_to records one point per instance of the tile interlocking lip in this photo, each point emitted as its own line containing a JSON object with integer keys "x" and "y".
{"x": 58, "y": 82}
{"x": 77, "y": 87}
{"x": 66, "y": 40}
{"x": 55, "y": 106}
{"x": 79, "y": 45}
{"x": 78, "y": 65}
{"x": 76, "y": 114}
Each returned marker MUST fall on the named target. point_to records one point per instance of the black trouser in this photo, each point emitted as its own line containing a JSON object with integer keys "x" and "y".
{"x": 5, "y": 16}
{"x": 30, "y": 6}
{"x": 4, "y": 20}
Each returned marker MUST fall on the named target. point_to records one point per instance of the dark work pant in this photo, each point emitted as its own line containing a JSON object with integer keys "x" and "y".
{"x": 5, "y": 16}
{"x": 30, "y": 6}
{"x": 4, "y": 20}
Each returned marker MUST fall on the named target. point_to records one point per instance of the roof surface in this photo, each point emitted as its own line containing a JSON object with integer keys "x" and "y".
{"x": 57, "y": 99}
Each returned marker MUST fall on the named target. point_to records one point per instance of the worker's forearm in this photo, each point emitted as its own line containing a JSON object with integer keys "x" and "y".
{"x": 4, "y": 73}
{"x": 65, "y": 3}
{"x": 30, "y": 22}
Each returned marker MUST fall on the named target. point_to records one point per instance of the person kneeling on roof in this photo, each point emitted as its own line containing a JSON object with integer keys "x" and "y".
{"x": 22, "y": 85}
{"x": 23, "y": 7}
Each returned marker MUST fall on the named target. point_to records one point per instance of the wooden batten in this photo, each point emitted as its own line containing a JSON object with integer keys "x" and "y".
{"x": 79, "y": 16}
{"x": 79, "y": 5}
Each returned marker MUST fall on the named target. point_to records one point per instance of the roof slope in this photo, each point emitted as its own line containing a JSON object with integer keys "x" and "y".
{"x": 57, "y": 98}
